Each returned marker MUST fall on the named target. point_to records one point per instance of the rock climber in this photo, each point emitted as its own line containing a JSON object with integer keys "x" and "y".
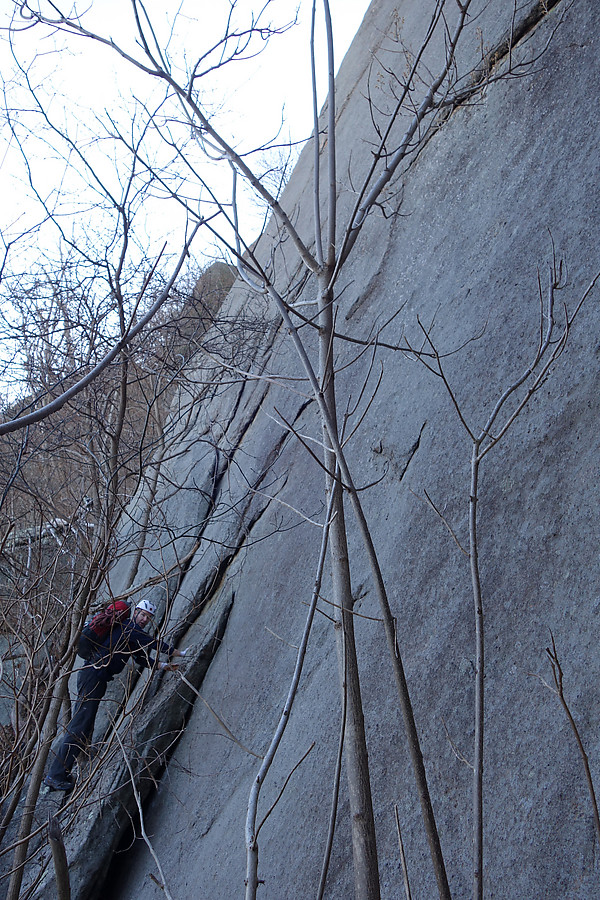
{"x": 126, "y": 640}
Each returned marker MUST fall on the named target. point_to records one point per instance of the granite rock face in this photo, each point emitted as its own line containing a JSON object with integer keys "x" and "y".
{"x": 454, "y": 253}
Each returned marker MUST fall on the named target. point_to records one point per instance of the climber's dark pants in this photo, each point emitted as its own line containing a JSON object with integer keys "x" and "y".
{"x": 91, "y": 687}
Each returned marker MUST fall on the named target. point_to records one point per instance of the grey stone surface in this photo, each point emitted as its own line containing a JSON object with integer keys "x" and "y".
{"x": 504, "y": 178}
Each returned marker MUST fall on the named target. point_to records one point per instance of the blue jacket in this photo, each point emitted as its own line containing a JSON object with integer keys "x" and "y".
{"x": 124, "y": 642}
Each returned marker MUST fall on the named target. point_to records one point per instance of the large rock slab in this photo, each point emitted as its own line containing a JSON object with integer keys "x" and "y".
{"x": 456, "y": 249}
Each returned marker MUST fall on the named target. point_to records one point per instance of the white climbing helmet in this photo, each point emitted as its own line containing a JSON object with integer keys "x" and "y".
{"x": 146, "y": 606}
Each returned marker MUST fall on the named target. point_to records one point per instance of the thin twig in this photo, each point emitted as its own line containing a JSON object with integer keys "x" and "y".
{"x": 251, "y": 833}
{"x": 279, "y": 638}
{"x": 460, "y": 757}
{"x": 138, "y": 802}
{"x": 350, "y": 611}
{"x": 335, "y": 795}
{"x": 285, "y": 784}
{"x": 442, "y": 517}
{"x": 228, "y": 732}
{"x": 557, "y": 674}
{"x": 402, "y": 856}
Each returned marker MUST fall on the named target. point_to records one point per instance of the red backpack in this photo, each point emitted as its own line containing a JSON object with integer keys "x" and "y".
{"x": 99, "y": 627}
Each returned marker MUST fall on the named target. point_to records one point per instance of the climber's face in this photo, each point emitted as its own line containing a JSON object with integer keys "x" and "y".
{"x": 141, "y": 617}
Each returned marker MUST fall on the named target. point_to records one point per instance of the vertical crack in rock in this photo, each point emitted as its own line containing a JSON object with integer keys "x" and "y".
{"x": 211, "y": 583}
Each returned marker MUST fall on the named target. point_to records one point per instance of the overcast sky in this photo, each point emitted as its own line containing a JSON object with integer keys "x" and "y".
{"x": 75, "y": 76}
{"x": 82, "y": 87}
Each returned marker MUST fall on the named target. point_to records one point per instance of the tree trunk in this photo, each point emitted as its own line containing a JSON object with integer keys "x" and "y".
{"x": 364, "y": 845}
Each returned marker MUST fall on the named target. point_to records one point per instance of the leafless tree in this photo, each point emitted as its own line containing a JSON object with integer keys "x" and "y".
{"x": 66, "y": 483}
{"x": 504, "y": 412}
{"x": 177, "y": 120}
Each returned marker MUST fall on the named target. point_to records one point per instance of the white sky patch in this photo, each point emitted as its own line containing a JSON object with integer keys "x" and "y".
{"x": 84, "y": 85}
